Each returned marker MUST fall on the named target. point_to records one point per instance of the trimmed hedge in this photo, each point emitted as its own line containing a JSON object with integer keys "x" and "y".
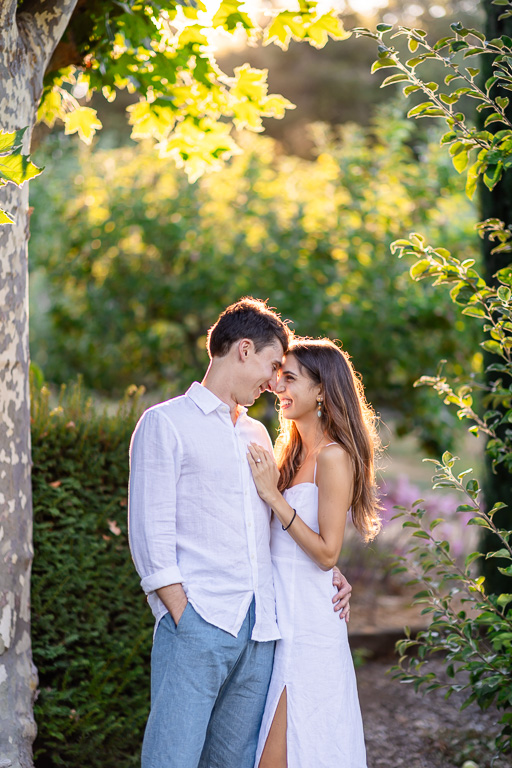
{"x": 91, "y": 627}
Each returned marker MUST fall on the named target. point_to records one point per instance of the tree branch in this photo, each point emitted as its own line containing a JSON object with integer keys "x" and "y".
{"x": 42, "y": 23}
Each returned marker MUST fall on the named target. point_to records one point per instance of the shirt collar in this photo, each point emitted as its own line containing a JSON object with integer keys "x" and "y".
{"x": 207, "y": 401}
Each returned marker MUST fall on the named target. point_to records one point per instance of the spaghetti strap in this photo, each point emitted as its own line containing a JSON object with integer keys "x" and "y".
{"x": 314, "y": 473}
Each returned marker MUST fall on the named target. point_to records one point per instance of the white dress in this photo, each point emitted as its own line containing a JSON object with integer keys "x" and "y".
{"x": 312, "y": 660}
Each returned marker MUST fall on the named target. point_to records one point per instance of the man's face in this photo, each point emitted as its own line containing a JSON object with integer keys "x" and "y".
{"x": 260, "y": 371}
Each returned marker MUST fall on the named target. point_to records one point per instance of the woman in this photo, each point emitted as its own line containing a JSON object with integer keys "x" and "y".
{"x": 325, "y": 466}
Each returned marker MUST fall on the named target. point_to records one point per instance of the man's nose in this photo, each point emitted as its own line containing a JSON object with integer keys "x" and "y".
{"x": 272, "y": 382}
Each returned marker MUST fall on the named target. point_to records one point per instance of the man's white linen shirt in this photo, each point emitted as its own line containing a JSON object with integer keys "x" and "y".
{"x": 195, "y": 516}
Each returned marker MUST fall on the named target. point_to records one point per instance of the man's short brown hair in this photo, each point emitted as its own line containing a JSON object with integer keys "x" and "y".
{"x": 247, "y": 319}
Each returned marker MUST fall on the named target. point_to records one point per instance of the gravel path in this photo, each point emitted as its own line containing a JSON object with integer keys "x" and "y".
{"x": 404, "y": 728}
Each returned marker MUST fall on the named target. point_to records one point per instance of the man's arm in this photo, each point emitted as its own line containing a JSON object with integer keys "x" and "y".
{"x": 154, "y": 471}
{"x": 175, "y": 600}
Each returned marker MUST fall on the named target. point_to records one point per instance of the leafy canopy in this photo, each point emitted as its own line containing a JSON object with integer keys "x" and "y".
{"x": 165, "y": 52}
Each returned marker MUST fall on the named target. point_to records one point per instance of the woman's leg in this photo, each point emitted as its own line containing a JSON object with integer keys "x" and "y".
{"x": 274, "y": 752}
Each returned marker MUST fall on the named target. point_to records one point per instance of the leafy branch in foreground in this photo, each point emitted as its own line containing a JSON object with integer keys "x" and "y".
{"x": 15, "y": 167}
{"x": 472, "y": 629}
{"x": 480, "y": 153}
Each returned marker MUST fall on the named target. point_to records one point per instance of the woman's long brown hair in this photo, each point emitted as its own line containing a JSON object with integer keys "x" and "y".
{"x": 347, "y": 419}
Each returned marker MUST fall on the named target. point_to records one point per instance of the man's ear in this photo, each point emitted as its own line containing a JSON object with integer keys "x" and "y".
{"x": 245, "y": 348}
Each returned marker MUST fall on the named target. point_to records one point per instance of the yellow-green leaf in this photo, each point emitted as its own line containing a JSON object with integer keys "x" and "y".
{"x": 149, "y": 120}
{"x": 275, "y": 106}
{"x": 199, "y": 146}
{"x": 84, "y": 121}
{"x": 250, "y": 83}
{"x": 50, "y": 108}
{"x": 11, "y": 141}
{"x": 17, "y": 168}
{"x": 472, "y": 178}
{"x": 283, "y": 27}
{"x": 419, "y": 269}
{"x": 248, "y": 115}
{"x": 5, "y": 218}
{"x": 460, "y": 160}
{"x": 229, "y": 16}
{"x": 326, "y": 26}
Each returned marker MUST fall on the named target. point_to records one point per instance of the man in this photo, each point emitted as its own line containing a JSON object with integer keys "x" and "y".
{"x": 199, "y": 535}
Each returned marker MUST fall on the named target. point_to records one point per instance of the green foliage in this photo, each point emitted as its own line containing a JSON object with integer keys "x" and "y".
{"x": 492, "y": 305}
{"x": 138, "y": 263}
{"x": 91, "y": 629}
{"x": 473, "y": 629}
{"x": 479, "y": 153}
{"x": 15, "y": 167}
{"x": 165, "y": 52}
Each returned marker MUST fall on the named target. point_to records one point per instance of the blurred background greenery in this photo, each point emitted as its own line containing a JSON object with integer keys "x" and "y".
{"x": 130, "y": 264}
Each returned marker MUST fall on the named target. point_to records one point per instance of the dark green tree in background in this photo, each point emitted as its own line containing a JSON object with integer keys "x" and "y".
{"x": 495, "y": 203}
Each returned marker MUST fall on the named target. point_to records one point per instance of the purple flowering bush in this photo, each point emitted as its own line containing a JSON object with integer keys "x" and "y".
{"x": 373, "y": 565}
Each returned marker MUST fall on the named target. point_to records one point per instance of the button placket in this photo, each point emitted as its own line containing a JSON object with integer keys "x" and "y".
{"x": 248, "y": 510}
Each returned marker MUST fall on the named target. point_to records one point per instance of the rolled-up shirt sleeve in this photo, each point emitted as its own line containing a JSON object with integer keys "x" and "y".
{"x": 155, "y": 458}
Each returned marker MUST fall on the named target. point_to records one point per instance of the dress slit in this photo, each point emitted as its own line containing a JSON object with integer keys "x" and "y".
{"x": 312, "y": 659}
{"x": 271, "y": 720}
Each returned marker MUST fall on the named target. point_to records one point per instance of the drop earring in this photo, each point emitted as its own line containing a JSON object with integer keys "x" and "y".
{"x": 319, "y": 412}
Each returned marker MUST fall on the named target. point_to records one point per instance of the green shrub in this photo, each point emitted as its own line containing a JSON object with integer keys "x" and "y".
{"x": 91, "y": 628}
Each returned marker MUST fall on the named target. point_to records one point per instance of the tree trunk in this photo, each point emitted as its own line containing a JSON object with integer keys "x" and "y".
{"x": 496, "y": 203}
{"x": 28, "y": 41}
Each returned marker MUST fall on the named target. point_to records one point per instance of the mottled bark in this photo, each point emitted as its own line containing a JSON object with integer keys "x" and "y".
{"x": 26, "y": 45}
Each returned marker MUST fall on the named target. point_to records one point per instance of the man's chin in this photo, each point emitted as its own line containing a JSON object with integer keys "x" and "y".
{"x": 252, "y": 399}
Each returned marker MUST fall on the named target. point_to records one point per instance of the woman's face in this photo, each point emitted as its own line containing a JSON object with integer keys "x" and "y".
{"x": 296, "y": 391}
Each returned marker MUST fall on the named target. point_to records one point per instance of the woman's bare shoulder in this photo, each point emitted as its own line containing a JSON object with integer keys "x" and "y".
{"x": 334, "y": 457}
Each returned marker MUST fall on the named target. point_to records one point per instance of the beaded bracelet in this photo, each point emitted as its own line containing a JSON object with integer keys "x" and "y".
{"x": 291, "y": 521}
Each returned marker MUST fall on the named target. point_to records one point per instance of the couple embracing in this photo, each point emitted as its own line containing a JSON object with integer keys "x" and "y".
{"x": 236, "y": 545}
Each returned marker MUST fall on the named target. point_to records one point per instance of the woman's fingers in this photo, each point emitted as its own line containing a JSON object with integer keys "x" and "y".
{"x": 255, "y": 458}
{"x": 258, "y": 454}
